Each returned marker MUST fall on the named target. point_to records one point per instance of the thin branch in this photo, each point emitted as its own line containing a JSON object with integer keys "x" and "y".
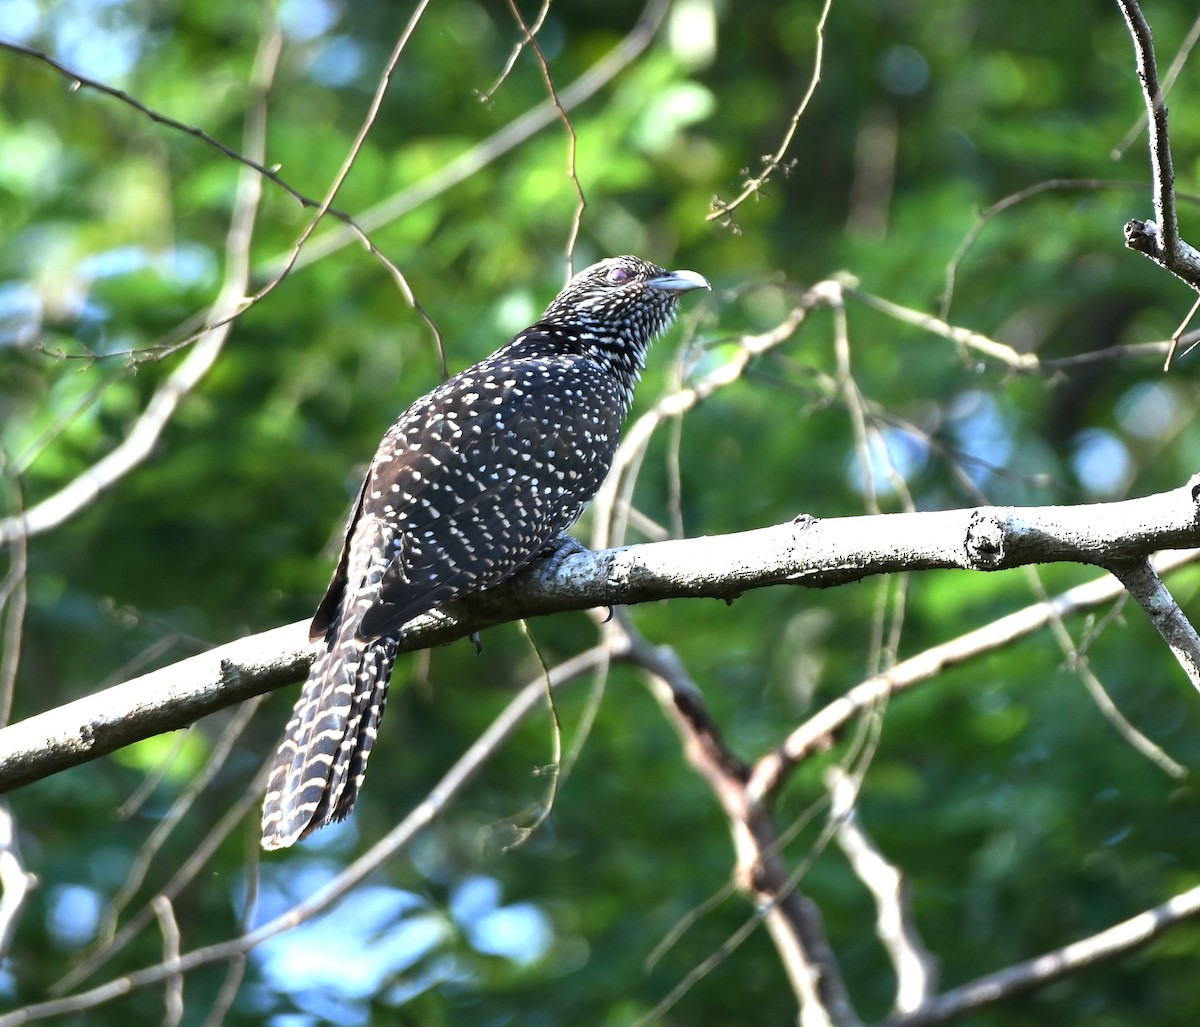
{"x": 15, "y": 883}
{"x": 915, "y": 967}
{"x": 1162, "y": 172}
{"x": 1078, "y": 662}
{"x": 819, "y": 731}
{"x": 14, "y": 598}
{"x": 572, "y": 140}
{"x": 81, "y": 81}
{"x": 1003, "y": 204}
{"x": 1122, "y": 351}
{"x": 792, "y": 920}
{"x": 981, "y": 344}
{"x": 137, "y": 446}
{"x": 229, "y": 989}
{"x": 454, "y": 781}
{"x": 1147, "y": 588}
{"x": 1177, "y": 64}
{"x": 496, "y": 145}
{"x": 1118, "y": 940}
{"x": 136, "y": 875}
{"x": 173, "y": 996}
{"x": 348, "y": 163}
{"x": 722, "y": 210}
{"x": 525, "y": 40}
{"x": 637, "y": 435}
{"x": 196, "y": 861}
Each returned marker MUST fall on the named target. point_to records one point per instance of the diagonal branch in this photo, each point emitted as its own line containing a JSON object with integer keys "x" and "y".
{"x": 915, "y": 966}
{"x": 1161, "y": 170}
{"x": 813, "y": 553}
{"x": 144, "y": 435}
{"x": 816, "y": 733}
{"x": 792, "y": 920}
{"x": 496, "y": 145}
{"x": 1147, "y": 588}
{"x": 252, "y": 158}
{"x": 723, "y": 210}
{"x": 1118, "y": 940}
{"x": 396, "y": 840}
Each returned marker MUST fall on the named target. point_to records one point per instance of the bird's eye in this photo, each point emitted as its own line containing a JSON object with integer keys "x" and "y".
{"x": 618, "y": 275}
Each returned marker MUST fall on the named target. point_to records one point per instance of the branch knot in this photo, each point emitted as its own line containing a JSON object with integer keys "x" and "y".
{"x": 984, "y": 544}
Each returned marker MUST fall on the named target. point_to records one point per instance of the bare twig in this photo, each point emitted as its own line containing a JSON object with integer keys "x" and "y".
{"x": 178, "y": 810}
{"x": 722, "y": 210}
{"x": 678, "y": 402}
{"x": 455, "y": 779}
{"x": 348, "y": 162}
{"x": 572, "y": 141}
{"x": 499, "y": 143}
{"x": 14, "y": 596}
{"x": 815, "y": 734}
{"x": 915, "y": 967}
{"x": 229, "y": 989}
{"x": 1078, "y": 662}
{"x": 80, "y": 81}
{"x": 143, "y": 436}
{"x": 526, "y": 38}
{"x": 1162, "y": 172}
{"x": 792, "y": 920}
{"x": 1177, "y": 63}
{"x": 1005, "y": 203}
{"x": 1147, "y": 588}
{"x": 183, "y": 876}
{"x": 1178, "y": 334}
{"x": 15, "y": 882}
{"x": 544, "y": 808}
{"x": 173, "y": 992}
{"x": 981, "y": 344}
{"x": 1118, "y": 940}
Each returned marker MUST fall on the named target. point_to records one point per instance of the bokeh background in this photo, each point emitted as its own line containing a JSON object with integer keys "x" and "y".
{"x": 1023, "y": 818}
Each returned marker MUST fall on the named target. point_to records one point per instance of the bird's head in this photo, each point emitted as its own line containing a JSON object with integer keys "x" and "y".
{"x": 621, "y": 300}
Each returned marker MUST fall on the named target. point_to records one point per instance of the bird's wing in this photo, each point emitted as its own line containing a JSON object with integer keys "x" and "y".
{"x": 482, "y": 496}
{"x": 329, "y": 608}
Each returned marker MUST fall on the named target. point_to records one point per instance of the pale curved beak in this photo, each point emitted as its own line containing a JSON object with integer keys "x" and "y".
{"x": 679, "y": 281}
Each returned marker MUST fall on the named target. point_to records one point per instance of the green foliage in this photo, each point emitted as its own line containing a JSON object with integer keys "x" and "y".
{"x": 1023, "y": 819}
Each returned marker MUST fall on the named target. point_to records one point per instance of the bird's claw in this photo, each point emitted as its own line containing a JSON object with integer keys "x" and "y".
{"x": 558, "y": 552}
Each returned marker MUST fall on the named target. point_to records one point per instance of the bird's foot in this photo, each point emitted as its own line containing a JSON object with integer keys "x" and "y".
{"x": 558, "y": 552}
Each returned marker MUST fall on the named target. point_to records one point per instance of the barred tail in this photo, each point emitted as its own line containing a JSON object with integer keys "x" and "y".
{"x": 322, "y": 759}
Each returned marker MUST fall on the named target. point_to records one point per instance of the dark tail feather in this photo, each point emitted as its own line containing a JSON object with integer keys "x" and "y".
{"x": 321, "y": 761}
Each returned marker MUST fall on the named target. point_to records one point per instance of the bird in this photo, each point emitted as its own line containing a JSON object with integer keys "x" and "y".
{"x": 471, "y": 484}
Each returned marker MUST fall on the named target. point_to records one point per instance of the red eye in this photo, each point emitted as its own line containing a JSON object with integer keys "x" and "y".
{"x": 618, "y": 275}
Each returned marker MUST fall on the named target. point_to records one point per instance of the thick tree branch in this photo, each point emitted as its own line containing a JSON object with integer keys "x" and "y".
{"x": 813, "y": 553}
